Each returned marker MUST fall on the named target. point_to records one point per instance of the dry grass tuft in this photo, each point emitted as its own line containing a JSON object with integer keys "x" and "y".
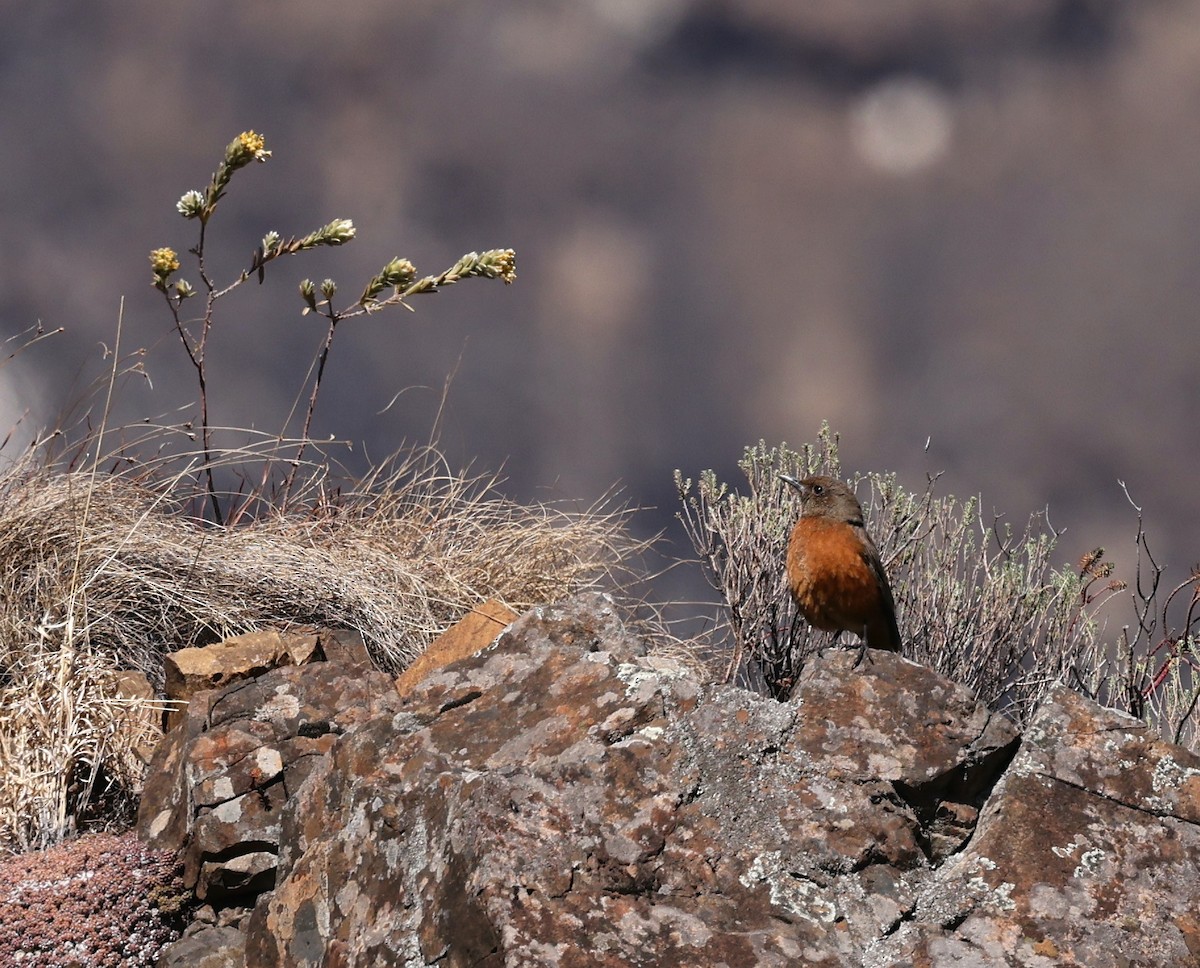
{"x": 100, "y": 572}
{"x": 114, "y": 553}
{"x": 70, "y": 745}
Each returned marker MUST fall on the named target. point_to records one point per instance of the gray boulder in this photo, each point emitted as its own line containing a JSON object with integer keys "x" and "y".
{"x": 218, "y": 781}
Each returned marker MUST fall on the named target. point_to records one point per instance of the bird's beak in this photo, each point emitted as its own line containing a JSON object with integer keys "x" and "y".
{"x": 791, "y": 480}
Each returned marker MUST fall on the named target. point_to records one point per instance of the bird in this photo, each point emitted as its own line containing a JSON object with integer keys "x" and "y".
{"x": 834, "y": 570}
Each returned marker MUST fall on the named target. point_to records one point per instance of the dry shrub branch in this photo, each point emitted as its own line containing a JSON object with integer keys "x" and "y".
{"x": 1153, "y": 671}
{"x": 976, "y": 599}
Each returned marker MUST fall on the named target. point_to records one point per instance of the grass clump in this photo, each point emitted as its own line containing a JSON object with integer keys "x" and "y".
{"x": 99, "y": 575}
{"x": 111, "y": 556}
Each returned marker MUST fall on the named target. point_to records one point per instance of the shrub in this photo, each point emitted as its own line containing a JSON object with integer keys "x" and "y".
{"x": 1151, "y": 671}
{"x": 976, "y": 599}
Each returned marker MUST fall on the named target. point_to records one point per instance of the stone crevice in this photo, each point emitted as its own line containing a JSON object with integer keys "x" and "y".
{"x": 1125, "y": 802}
{"x": 459, "y": 701}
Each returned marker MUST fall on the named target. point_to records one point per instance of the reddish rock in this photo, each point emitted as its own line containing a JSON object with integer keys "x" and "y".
{"x": 141, "y": 711}
{"x": 928, "y": 738}
{"x": 1087, "y": 853}
{"x": 475, "y": 631}
{"x": 343, "y": 647}
{"x": 563, "y": 798}
{"x": 208, "y": 947}
{"x": 218, "y": 783}
{"x": 194, "y": 670}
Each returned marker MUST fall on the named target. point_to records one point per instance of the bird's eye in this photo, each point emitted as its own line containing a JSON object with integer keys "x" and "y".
{"x": 818, "y": 489}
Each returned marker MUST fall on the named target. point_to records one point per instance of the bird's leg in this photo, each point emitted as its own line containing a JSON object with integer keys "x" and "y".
{"x": 862, "y": 649}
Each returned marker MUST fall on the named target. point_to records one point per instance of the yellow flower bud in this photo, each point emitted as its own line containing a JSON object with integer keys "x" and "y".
{"x": 163, "y": 262}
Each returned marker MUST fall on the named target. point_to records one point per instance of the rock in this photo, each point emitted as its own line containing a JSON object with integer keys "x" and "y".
{"x": 140, "y": 710}
{"x": 475, "y": 631}
{"x": 939, "y": 748}
{"x": 563, "y": 798}
{"x": 1087, "y": 853}
{"x": 218, "y": 783}
{"x": 194, "y": 670}
{"x": 343, "y": 647}
{"x": 210, "y": 947}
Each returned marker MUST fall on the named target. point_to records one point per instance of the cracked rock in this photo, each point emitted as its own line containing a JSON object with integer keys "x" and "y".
{"x": 1087, "y": 853}
{"x": 561, "y": 798}
{"x": 218, "y": 782}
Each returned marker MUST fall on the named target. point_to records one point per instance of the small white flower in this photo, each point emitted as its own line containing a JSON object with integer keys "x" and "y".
{"x": 191, "y": 204}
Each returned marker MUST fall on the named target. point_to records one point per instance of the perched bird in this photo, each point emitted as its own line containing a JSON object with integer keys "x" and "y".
{"x": 833, "y": 567}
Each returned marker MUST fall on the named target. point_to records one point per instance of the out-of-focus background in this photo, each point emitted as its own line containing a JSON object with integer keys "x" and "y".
{"x": 976, "y": 225}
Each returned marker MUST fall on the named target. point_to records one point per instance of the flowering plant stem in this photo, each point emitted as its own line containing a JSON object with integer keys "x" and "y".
{"x": 398, "y": 275}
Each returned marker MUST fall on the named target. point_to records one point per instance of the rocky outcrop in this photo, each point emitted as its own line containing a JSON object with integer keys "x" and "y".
{"x": 564, "y": 798}
{"x": 219, "y": 780}
{"x": 1087, "y": 853}
{"x": 475, "y": 631}
{"x": 189, "y": 672}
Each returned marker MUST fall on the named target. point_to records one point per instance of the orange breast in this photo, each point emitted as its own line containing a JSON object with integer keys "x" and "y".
{"x": 834, "y": 587}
